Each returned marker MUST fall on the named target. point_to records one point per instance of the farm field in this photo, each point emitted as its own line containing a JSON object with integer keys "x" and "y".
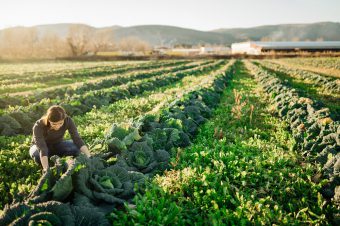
{"x": 324, "y": 65}
{"x": 206, "y": 142}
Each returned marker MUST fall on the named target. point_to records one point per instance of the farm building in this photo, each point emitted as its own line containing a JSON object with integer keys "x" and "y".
{"x": 185, "y": 51}
{"x": 257, "y": 48}
{"x": 192, "y": 51}
{"x": 215, "y": 50}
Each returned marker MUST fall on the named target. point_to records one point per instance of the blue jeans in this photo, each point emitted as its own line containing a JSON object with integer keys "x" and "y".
{"x": 64, "y": 148}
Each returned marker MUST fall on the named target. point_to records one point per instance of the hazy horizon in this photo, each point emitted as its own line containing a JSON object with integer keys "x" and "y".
{"x": 171, "y": 25}
{"x": 203, "y": 15}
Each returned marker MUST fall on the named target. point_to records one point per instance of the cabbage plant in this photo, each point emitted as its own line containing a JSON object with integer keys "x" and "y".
{"x": 47, "y": 213}
{"x": 113, "y": 184}
{"x": 141, "y": 157}
{"x": 120, "y": 136}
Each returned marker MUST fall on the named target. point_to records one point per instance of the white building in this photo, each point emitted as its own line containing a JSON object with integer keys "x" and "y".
{"x": 215, "y": 50}
{"x": 185, "y": 51}
{"x": 256, "y": 48}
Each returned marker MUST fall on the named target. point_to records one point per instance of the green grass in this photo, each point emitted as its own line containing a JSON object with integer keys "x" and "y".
{"x": 250, "y": 176}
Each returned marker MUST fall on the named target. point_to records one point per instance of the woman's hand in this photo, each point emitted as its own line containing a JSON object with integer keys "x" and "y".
{"x": 46, "y": 170}
{"x": 86, "y": 151}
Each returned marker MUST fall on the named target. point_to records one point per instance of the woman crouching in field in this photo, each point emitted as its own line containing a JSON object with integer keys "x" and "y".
{"x": 48, "y": 134}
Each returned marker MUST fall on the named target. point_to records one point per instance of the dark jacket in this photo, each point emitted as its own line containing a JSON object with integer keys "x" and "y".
{"x": 43, "y": 136}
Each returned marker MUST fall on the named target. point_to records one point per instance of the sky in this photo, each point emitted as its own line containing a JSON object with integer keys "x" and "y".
{"x": 202, "y": 15}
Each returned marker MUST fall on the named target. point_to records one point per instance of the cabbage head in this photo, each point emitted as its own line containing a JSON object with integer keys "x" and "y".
{"x": 112, "y": 185}
{"x": 142, "y": 158}
{"x": 47, "y": 213}
{"x": 120, "y": 136}
{"x": 164, "y": 139}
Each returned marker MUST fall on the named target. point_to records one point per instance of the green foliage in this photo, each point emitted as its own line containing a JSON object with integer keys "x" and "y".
{"x": 56, "y": 183}
{"x": 112, "y": 184}
{"x": 24, "y": 120}
{"x": 8, "y": 126}
{"x": 148, "y": 122}
{"x": 141, "y": 157}
{"x": 120, "y": 136}
{"x": 315, "y": 132}
{"x": 47, "y": 213}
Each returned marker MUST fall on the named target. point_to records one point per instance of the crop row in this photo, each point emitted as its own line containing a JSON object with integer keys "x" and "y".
{"x": 22, "y": 87}
{"x": 61, "y": 93}
{"x": 330, "y": 63}
{"x": 20, "y": 69}
{"x": 98, "y": 186}
{"x": 328, "y": 84}
{"x": 22, "y": 120}
{"x": 92, "y": 71}
{"x": 316, "y": 134}
{"x": 323, "y": 66}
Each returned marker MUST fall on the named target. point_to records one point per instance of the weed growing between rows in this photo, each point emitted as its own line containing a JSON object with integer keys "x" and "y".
{"x": 240, "y": 170}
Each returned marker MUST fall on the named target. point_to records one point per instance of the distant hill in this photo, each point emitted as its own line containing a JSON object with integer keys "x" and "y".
{"x": 169, "y": 35}
{"x": 327, "y": 31}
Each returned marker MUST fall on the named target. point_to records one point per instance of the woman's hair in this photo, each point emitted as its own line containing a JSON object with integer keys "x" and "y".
{"x": 54, "y": 114}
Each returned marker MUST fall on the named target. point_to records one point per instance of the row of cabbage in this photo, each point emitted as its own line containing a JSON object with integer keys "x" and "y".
{"x": 320, "y": 62}
{"x": 316, "y": 134}
{"x": 328, "y": 84}
{"x": 61, "y": 93}
{"x": 83, "y": 72}
{"x": 20, "y": 121}
{"x": 82, "y": 191}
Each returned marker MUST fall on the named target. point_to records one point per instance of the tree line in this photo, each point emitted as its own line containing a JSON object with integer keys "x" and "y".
{"x": 29, "y": 43}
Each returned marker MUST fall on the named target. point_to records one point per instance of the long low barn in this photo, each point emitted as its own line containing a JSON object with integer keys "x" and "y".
{"x": 256, "y": 48}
